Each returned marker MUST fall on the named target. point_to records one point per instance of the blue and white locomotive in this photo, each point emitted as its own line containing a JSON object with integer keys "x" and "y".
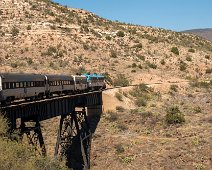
{"x": 36, "y": 86}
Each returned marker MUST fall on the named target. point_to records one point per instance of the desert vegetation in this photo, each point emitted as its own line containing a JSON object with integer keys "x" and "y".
{"x": 14, "y": 155}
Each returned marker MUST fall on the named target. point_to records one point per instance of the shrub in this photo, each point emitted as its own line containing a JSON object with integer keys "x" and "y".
{"x": 119, "y": 96}
{"x": 174, "y": 116}
{"x": 141, "y": 57}
{"x": 183, "y": 66}
{"x": 174, "y": 87}
{"x": 121, "y": 80}
{"x": 134, "y": 65}
{"x": 120, "y": 108}
{"x": 138, "y": 46}
{"x": 201, "y": 84}
{"x": 119, "y": 148}
{"x": 188, "y": 58}
{"x": 14, "y": 31}
{"x": 207, "y": 57}
{"x": 151, "y": 65}
{"x": 14, "y": 65}
{"x": 197, "y": 109}
{"x": 108, "y": 78}
{"x": 175, "y": 50}
{"x": 141, "y": 101}
{"x": 29, "y": 61}
{"x": 120, "y": 34}
{"x": 29, "y": 27}
{"x": 3, "y": 125}
{"x": 140, "y": 66}
{"x": 14, "y": 155}
{"x": 113, "y": 54}
{"x": 108, "y": 38}
{"x": 208, "y": 71}
{"x": 162, "y": 62}
{"x": 139, "y": 90}
{"x": 191, "y": 50}
{"x": 111, "y": 116}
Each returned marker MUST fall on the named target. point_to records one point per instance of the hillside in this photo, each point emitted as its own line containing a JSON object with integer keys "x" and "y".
{"x": 41, "y": 36}
{"x": 205, "y": 33}
{"x": 135, "y": 132}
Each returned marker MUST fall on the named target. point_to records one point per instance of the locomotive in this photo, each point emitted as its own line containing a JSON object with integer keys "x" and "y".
{"x": 15, "y": 86}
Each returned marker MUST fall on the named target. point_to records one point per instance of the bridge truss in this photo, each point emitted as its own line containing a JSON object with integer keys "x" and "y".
{"x": 79, "y": 117}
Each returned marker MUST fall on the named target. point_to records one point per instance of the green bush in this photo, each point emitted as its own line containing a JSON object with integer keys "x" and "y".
{"x": 3, "y": 125}
{"x": 14, "y": 65}
{"x": 162, "y": 62}
{"x": 29, "y": 27}
{"x": 113, "y": 54}
{"x": 108, "y": 37}
{"x": 207, "y": 57}
{"x": 151, "y": 65}
{"x": 120, "y": 34}
{"x": 175, "y": 50}
{"x": 174, "y": 88}
{"x": 121, "y": 80}
{"x": 188, "y": 58}
{"x": 139, "y": 90}
{"x": 119, "y": 96}
{"x": 191, "y": 50}
{"x": 208, "y": 71}
{"x": 14, "y": 31}
{"x": 120, "y": 108}
{"x": 15, "y": 156}
{"x": 139, "y": 45}
{"x": 107, "y": 78}
{"x": 183, "y": 66}
{"x": 201, "y": 84}
{"x": 134, "y": 65}
{"x": 111, "y": 116}
{"x": 141, "y": 57}
{"x": 141, "y": 101}
{"x": 174, "y": 116}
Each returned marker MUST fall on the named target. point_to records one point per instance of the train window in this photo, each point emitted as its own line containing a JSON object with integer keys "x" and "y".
{"x": 17, "y": 85}
{"x": 32, "y": 84}
{"x": 7, "y": 85}
{"x": 28, "y": 84}
{"x": 11, "y": 85}
{"x": 21, "y": 84}
{"x": 14, "y": 85}
{"x": 4, "y": 85}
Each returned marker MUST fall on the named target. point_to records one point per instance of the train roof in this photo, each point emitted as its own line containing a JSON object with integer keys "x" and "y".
{"x": 56, "y": 77}
{"x": 93, "y": 75}
{"x": 13, "y": 77}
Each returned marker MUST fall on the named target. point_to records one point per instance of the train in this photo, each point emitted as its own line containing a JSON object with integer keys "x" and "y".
{"x": 14, "y": 86}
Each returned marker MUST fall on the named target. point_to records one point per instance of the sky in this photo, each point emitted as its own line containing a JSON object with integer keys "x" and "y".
{"x": 177, "y": 15}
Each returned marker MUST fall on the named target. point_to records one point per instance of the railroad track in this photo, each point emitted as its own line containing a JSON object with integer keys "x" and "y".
{"x": 24, "y": 102}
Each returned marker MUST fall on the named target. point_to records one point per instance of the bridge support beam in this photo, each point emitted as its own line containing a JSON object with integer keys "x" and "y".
{"x": 32, "y": 130}
{"x": 74, "y": 140}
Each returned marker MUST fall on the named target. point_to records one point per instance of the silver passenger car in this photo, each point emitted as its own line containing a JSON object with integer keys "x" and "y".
{"x": 58, "y": 84}
{"x": 17, "y": 86}
{"x": 80, "y": 83}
